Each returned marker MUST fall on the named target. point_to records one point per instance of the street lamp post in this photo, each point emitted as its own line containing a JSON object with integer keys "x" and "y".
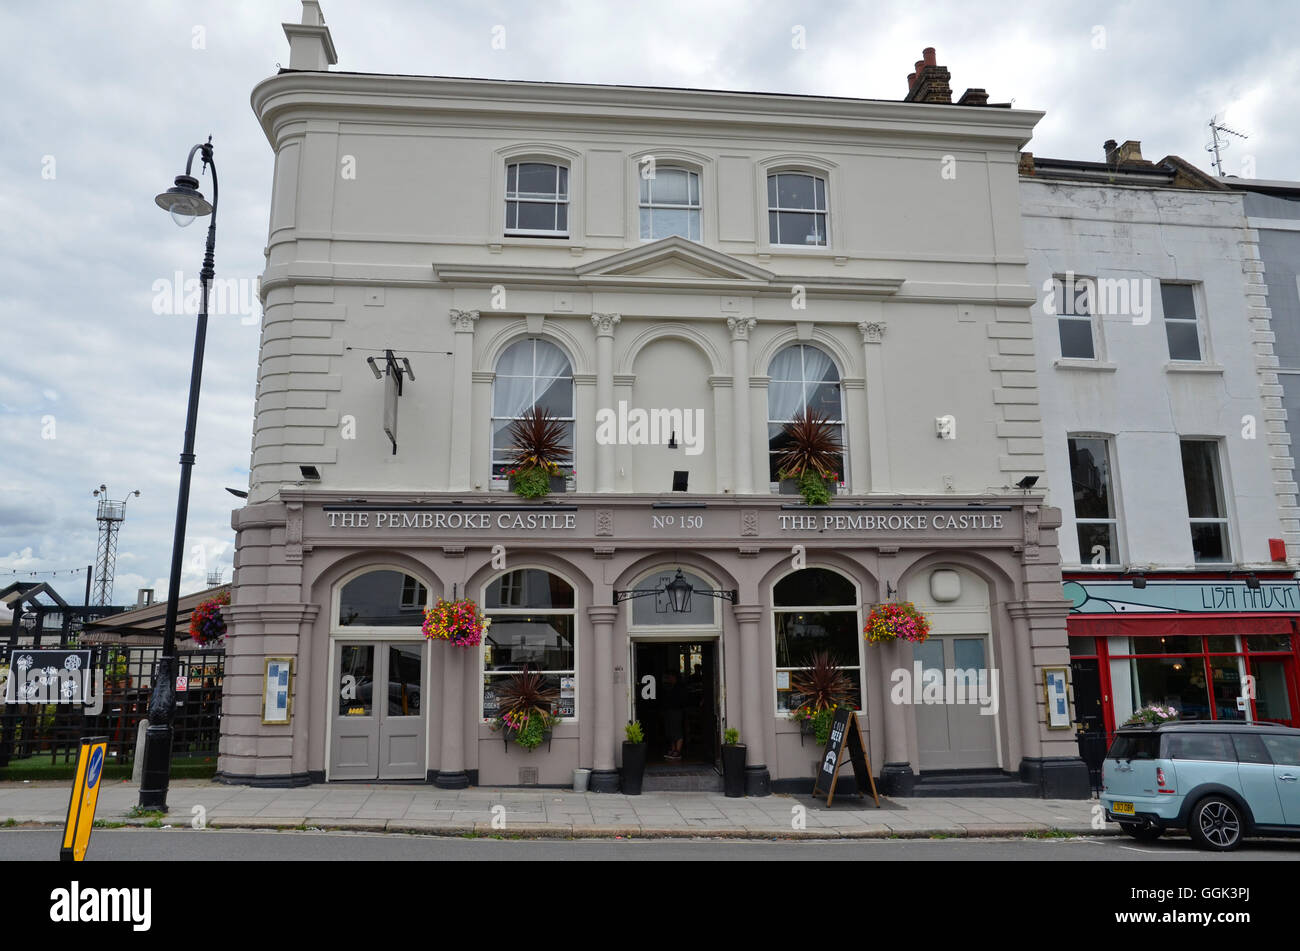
{"x": 185, "y": 203}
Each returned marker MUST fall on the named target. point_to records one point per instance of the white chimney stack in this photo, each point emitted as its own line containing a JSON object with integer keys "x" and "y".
{"x": 310, "y": 44}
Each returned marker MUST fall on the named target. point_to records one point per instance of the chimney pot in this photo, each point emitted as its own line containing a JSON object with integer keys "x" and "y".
{"x": 920, "y": 65}
{"x": 911, "y": 80}
{"x": 928, "y": 56}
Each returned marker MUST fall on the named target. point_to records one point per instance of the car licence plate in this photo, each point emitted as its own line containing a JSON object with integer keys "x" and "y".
{"x": 1122, "y": 808}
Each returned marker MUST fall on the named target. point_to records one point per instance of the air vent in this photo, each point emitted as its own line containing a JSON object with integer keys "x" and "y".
{"x": 527, "y": 775}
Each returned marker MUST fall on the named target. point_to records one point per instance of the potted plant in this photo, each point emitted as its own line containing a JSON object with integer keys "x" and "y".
{"x": 733, "y": 763}
{"x": 457, "y": 622}
{"x": 811, "y": 461}
{"x": 892, "y": 622}
{"x": 1153, "y": 714}
{"x": 823, "y": 687}
{"x": 207, "y": 626}
{"x": 633, "y": 758}
{"x": 537, "y": 454}
{"x": 525, "y": 710}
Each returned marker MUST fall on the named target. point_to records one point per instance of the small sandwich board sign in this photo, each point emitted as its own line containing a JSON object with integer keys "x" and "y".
{"x": 845, "y": 736}
{"x": 85, "y": 796}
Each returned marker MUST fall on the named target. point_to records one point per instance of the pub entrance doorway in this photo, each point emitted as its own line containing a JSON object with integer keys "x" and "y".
{"x": 677, "y": 698}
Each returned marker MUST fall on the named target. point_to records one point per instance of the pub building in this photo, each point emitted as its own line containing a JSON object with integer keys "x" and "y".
{"x": 674, "y": 275}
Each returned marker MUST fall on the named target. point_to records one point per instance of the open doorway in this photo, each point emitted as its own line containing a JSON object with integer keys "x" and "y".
{"x": 680, "y": 714}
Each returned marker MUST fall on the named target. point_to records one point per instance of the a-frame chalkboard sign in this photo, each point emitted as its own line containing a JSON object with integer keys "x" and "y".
{"x": 845, "y": 734}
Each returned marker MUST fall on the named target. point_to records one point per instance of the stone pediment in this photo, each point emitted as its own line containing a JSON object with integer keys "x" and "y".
{"x": 673, "y": 265}
{"x": 673, "y": 260}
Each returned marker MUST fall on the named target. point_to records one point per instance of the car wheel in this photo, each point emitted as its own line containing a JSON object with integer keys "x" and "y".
{"x": 1141, "y": 833}
{"x": 1216, "y": 824}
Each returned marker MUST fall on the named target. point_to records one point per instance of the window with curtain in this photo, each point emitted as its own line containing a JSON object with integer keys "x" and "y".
{"x": 529, "y": 373}
{"x": 670, "y": 204}
{"x": 801, "y": 377}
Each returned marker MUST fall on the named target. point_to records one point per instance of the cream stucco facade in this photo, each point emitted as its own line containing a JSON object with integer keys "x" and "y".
{"x": 388, "y": 231}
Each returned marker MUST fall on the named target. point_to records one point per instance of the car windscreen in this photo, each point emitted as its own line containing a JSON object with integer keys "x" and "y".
{"x": 1134, "y": 746}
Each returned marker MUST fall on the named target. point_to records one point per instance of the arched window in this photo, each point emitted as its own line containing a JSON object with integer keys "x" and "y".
{"x": 797, "y": 213}
{"x": 670, "y": 204}
{"x": 382, "y": 598}
{"x": 533, "y": 628}
{"x": 529, "y": 373}
{"x": 815, "y": 610}
{"x": 802, "y": 377}
{"x": 537, "y": 199}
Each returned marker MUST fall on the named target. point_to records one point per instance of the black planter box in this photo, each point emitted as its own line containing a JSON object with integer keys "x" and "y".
{"x": 733, "y": 769}
{"x": 559, "y": 483}
{"x": 791, "y": 487}
{"x": 633, "y": 768}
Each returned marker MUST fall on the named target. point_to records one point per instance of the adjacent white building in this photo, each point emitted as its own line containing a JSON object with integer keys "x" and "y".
{"x": 1165, "y": 438}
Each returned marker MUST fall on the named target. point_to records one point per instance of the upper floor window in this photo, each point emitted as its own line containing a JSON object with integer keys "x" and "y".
{"x": 1094, "y": 501}
{"x": 537, "y": 199}
{"x": 1206, "y": 510}
{"x": 1074, "y": 317}
{"x": 797, "y": 212}
{"x": 670, "y": 204}
{"x": 801, "y": 377}
{"x": 529, "y": 373}
{"x": 1181, "y": 326}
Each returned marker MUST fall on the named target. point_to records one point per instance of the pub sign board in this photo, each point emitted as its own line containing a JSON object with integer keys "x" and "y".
{"x": 845, "y": 737}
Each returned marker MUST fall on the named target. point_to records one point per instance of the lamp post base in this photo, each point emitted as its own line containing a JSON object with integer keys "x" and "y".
{"x": 156, "y": 775}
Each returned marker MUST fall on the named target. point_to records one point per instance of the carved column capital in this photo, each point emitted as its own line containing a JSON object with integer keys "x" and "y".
{"x": 605, "y": 323}
{"x": 462, "y": 321}
{"x": 873, "y": 331}
{"x": 740, "y": 327}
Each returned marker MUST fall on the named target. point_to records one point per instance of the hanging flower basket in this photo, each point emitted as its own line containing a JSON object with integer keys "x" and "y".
{"x": 458, "y": 622}
{"x": 892, "y": 622}
{"x": 207, "y": 626}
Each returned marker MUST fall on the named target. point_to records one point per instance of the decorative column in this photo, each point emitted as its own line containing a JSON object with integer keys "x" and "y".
{"x": 740, "y": 409}
{"x": 753, "y": 727}
{"x": 451, "y": 771}
{"x": 460, "y": 446}
{"x": 604, "y": 774}
{"x": 873, "y": 335}
{"x": 604, "y": 324}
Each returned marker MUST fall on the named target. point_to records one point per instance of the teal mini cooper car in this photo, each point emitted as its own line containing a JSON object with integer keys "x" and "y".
{"x": 1221, "y": 781}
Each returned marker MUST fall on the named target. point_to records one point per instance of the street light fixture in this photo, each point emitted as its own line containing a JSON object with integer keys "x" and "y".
{"x": 185, "y": 203}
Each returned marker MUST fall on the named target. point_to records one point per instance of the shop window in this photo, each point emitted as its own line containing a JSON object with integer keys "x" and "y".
{"x": 670, "y": 204}
{"x": 1094, "y": 500}
{"x": 815, "y": 610}
{"x": 529, "y": 373}
{"x": 383, "y": 598}
{"x": 655, "y": 611}
{"x": 801, "y": 377}
{"x": 1206, "y": 511}
{"x": 534, "y": 628}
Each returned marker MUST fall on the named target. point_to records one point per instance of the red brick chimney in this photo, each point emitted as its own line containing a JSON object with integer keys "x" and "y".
{"x": 930, "y": 81}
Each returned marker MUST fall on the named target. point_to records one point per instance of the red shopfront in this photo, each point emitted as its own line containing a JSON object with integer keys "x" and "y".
{"x": 1210, "y": 647}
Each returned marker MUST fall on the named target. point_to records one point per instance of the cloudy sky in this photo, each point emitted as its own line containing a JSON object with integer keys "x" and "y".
{"x": 103, "y": 99}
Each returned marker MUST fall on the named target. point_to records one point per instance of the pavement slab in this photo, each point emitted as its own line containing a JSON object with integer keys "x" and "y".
{"x": 532, "y": 813}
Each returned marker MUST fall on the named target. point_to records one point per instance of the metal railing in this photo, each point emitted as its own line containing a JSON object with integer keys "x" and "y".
{"x": 52, "y": 731}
